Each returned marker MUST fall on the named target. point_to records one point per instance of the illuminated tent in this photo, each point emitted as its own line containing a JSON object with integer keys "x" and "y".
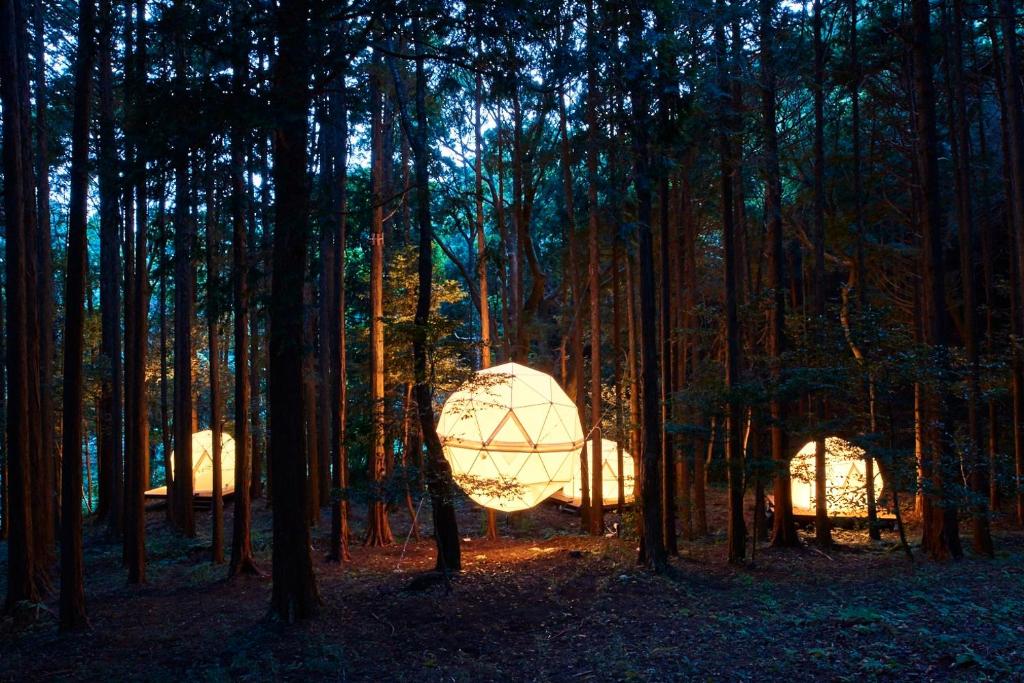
{"x": 511, "y": 435}
{"x": 845, "y": 479}
{"x": 573, "y": 491}
{"x": 202, "y": 465}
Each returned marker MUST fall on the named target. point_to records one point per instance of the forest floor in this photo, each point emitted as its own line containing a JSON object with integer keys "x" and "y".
{"x": 541, "y": 603}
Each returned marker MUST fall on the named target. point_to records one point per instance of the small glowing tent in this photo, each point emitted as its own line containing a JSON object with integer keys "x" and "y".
{"x": 202, "y": 465}
{"x": 510, "y": 434}
{"x": 572, "y": 492}
{"x": 845, "y": 479}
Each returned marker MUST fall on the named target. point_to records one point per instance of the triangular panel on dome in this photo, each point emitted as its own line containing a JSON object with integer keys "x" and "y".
{"x": 525, "y": 451}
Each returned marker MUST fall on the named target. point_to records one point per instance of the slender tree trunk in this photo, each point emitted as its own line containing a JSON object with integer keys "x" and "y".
{"x": 822, "y": 527}
{"x": 1014, "y": 123}
{"x": 942, "y": 539}
{"x": 184, "y": 236}
{"x": 339, "y": 390}
{"x": 859, "y": 272}
{"x": 784, "y": 528}
{"x": 213, "y": 332}
{"x": 977, "y": 462}
{"x": 165, "y": 433}
{"x": 241, "y": 533}
{"x": 652, "y": 547}
{"x": 42, "y": 490}
{"x": 22, "y": 580}
{"x": 294, "y": 594}
{"x": 110, "y": 454}
{"x": 737, "y": 534}
{"x": 137, "y": 460}
{"x": 44, "y": 279}
{"x": 481, "y": 245}
{"x": 596, "y": 518}
{"x": 439, "y": 476}
{"x": 309, "y": 372}
{"x": 574, "y": 382}
{"x": 378, "y": 529}
{"x": 72, "y": 591}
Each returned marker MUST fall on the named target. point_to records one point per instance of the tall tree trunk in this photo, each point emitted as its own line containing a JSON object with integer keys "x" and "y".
{"x": 784, "y": 528}
{"x": 942, "y": 538}
{"x": 309, "y": 372}
{"x": 859, "y": 270}
{"x": 42, "y": 490}
{"x": 184, "y": 236}
{"x": 822, "y": 527}
{"x": 338, "y": 116}
{"x": 737, "y": 533}
{"x": 652, "y": 547}
{"x": 481, "y": 242}
{"x": 110, "y": 453}
{"x": 439, "y": 475}
{"x": 378, "y": 529}
{"x": 44, "y": 274}
{"x": 241, "y": 530}
{"x": 595, "y": 519}
{"x": 574, "y": 381}
{"x": 213, "y": 332}
{"x": 977, "y": 464}
{"x": 294, "y": 594}
{"x": 165, "y": 433}
{"x": 72, "y": 591}
{"x": 137, "y": 460}
{"x": 1014, "y": 123}
{"x": 22, "y": 579}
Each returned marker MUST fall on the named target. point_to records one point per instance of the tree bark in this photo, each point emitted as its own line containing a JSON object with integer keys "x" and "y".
{"x": 111, "y": 484}
{"x": 294, "y": 594}
{"x": 339, "y": 383}
{"x": 72, "y": 591}
{"x": 213, "y": 332}
{"x": 184, "y": 236}
{"x": 652, "y": 547}
{"x": 736, "y": 528}
{"x": 822, "y": 526}
{"x": 1015, "y": 126}
{"x": 22, "y": 579}
{"x": 378, "y": 528}
{"x": 241, "y": 561}
{"x": 942, "y": 538}
{"x": 439, "y": 476}
{"x": 783, "y": 526}
{"x": 595, "y": 519}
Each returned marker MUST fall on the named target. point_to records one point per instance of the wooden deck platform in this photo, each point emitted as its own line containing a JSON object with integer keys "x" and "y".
{"x": 203, "y": 499}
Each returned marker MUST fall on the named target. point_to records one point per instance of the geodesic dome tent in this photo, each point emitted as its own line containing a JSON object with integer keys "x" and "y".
{"x": 202, "y": 465}
{"x": 510, "y": 435}
{"x": 572, "y": 492}
{"x": 845, "y": 479}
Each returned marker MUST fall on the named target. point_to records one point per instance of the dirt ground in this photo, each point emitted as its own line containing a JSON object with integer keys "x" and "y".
{"x": 542, "y": 603}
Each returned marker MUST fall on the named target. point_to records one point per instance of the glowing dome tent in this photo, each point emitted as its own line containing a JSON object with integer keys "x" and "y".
{"x": 510, "y": 435}
{"x": 202, "y": 465}
{"x": 845, "y": 479}
{"x": 572, "y": 492}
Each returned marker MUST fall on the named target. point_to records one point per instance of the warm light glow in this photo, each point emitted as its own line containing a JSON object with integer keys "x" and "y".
{"x": 510, "y": 435}
{"x": 202, "y": 464}
{"x": 573, "y": 491}
{"x": 845, "y": 479}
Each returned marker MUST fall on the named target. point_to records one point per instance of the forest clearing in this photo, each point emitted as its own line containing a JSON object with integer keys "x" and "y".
{"x": 512, "y": 340}
{"x": 543, "y": 603}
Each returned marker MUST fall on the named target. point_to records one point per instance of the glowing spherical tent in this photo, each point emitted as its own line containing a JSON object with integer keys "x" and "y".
{"x": 202, "y": 465}
{"x": 845, "y": 479}
{"x": 510, "y": 434}
{"x": 573, "y": 491}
